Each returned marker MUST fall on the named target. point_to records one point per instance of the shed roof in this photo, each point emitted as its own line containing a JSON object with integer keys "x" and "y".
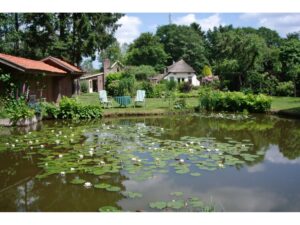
{"x": 63, "y": 63}
{"x": 28, "y": 64}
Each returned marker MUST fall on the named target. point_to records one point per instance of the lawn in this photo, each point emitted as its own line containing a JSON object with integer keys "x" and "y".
{"x": 153, "y": 105}
{"x": 283, "y": 105}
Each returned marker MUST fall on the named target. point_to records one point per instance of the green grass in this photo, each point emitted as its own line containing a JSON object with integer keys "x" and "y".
{"x": 153, "y": 105}
{"x": 282, "y": 105}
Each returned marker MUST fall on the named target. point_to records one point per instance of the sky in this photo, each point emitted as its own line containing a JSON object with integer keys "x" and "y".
{"x": 133, "y": 24}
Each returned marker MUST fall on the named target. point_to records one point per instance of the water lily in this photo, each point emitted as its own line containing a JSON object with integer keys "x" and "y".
{"x": 31, "y": 147}
{"x": 46, "y": 164}
{"x": 29, "y": 132}
{"x": 42, "y": 146}
{"x": 72, "y": 135}
{"x": 186, "y": 145}
{"x": 30, "y": 142}
{"x": 72, "y": 169}
{"x": 57, "y": 142}
{"x": 91, "y": 149}
{"x": 102, "y": 162}
{"x": 60, "y": 132}
{"x": 87, "y": 184}
{"x": 217, "y": 150}
{"x": 181, "y": 160}
{"x": 221, "y": 165}
{"x": 12, "y": 145}
{"x": 62, "y": 173}
{"x": 97, "y": 130}
{"x": 52, "y": 131}
{"x": 60, "y": 155}
{"x": 91, "y": 153}
{"x": 17, "y": 140}
{"x": 7, "y": 143}
{"x": 80, "y": 156}
{"x": 37, "y": 141}
{"x": 208, "y": 150}
{"x": 71, "y": 140}
{"x": 65, "y": 136}
{"x": 107, "y": 151}
{"x": 133, "y": 159}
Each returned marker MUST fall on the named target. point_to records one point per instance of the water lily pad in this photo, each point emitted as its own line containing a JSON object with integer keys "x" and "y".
{"x": 77, "y": 181}
{"x": 158, "y": 205}
{"x": 130, "y": 194}
{"x": 195, "y": 174}
{"x": 176, "y": 204}
{"x": 102, "y": 186}
{"x": 109, "y": 209}
{"x": 177, "y": 193}
{"x": 113, "y": 188}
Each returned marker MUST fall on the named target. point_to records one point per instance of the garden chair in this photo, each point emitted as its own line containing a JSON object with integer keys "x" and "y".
{"x": 140, "y": 97}
{"x": 104, "y": 99}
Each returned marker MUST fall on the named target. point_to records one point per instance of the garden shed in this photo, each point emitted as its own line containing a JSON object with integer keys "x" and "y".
{"x": 49, "y": 78}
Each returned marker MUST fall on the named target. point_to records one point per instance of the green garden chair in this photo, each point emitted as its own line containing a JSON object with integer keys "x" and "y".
{"x": 104, "y": 99}
{"x": 140, "y": 97}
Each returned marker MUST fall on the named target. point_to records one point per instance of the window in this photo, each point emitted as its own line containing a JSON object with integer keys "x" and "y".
{"x": 190, "y": 80}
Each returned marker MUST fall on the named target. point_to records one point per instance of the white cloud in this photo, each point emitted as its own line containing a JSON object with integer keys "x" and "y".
{"x": 205, "y": 23}
{"x": 284, "y": 23}
{"x": 275, "y": 156}
{"x": 129, "y": 29}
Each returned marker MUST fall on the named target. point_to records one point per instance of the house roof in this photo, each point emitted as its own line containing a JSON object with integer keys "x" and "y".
{"x": 116, "y": 63}
{"x": 91, "y": 76}
{"x": 180, "y": 67}
{"x": 63, "y": 64}
{"x": 158, "y": 77}
{"x": 28, "y": 64}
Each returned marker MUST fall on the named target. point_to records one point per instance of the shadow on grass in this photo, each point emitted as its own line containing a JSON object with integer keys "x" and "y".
{"x": 292, "y": 112}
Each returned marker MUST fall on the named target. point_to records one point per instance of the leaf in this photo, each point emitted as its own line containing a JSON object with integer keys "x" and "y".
{"x": 195, "y": 174}
{"x": 158, "y": 205}
{"x": 77, "y": 181}
{"x": 113, "y": 188}
{"x": 109, "y": 209}
{"x": 102, "y": 186}
{"x": 130, "y": 194}
{"x": 177, "y": 193}
{"x": 176, "y": 204}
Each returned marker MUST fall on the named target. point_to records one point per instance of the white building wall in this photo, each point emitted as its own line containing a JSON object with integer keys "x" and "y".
{"x": 183, "y": 77}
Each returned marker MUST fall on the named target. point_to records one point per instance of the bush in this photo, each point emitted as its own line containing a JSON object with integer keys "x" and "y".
{"x": 69, "y": 108}
{"x": 285, "y": 88}
{"x": 142, "y": 72}
{"x": 180, "y": 104}
{"x": 159, "y": 90}
{"x": 206, "y": 71}
{"x": 113, "y": 88}
{"x": 148, "y": 87}
{"x": 233, "y": 101}
{"x": 185, "y": 87}
{"x": 84, "y": 86}
{"x": 17, "y": 109}
{"x": 50, "y": 110}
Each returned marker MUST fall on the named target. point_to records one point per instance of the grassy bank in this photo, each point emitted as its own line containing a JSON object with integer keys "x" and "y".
{"x": 157, "y": 106}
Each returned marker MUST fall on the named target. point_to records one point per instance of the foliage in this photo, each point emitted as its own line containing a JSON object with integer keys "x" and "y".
{"x": 180, "y": 103}
{"x": 183, "y": 42}
{"x": 17, "y": 109}
{"x": 211, "y": 100}
{"x": 185, "y": 87}
{"x": 142, "y": 72}
{"x": 147, "y": 50}
{"x": 285, "y": 88}
{"x": 148, "y": 87}
{"x": 84, "y": 86}
{"x": 69, "y": 108}
{"x": 67, "y": 35}
{"x": 112, "y": 52}
{"x": 50, "y": 110}
{"x": 206, "y": 71}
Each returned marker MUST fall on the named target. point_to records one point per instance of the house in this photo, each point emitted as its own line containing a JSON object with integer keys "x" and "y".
{"x": 49, "y": 78}
{"x": 179, "y": 72}
{"x": 96, "y": 82}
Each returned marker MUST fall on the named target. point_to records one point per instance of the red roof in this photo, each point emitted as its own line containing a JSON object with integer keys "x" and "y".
{"x": 30, "y": 64}
{"x": 63, "y": 63}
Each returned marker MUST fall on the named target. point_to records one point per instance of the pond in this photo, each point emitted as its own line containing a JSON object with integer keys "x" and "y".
{"x": 213, "y": 162}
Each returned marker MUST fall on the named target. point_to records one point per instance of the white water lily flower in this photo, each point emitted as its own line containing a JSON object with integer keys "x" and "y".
{"x": 186, "y": 145}
{"x": 91, "y": 153}
{"x": 30, "y": 142}
{"x": 133, "y": 159}
{"x": 25, "y": 136}
{"x": 139, "y": 160}
{"x": 107, "y": 151}
{"x": 72, "y": 169}
{"x": 36, "y": 140}
{"x": 65, "y": 136}
{"x": 191, "y": 142}
{"x": 52, "y": 131}
{"x": 60, "y": 155}
{"x": 63, "y": 173}
{"x": 157, "y": 159}
{"x": 31, "y": 147}
{"x": 56, "y": 135}
{"x": 46, "y": 164}
{"x": 217, "y": 149}
{"x": 57, "y": 142}
{"x": 7, "y": 143}
{"x": 97, "y": 130}
{"x": 221, "y": 165}
{"x": 181, "y": 160}
{"x": 102, "y": 162}
{"x": 42, "y": 146}
{"x": 87, "y": 184}
{"x": 220, "y": 153}
{"x": 80, "y": 156}
{"x": 71, "y": 140}
{"x": 71, "y": 127}
{"x": 17, "y": 140}
{"x": 208, "y": 150}
{"x": 60, "y": 132}
{"x": 29, "y": 132}
{"x": 72, "y": 135}
{"x": 91, "y": 149}
{"x": 12, "y": 145}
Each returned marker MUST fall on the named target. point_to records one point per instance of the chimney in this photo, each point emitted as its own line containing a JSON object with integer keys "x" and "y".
{"x": 106, "y": 65}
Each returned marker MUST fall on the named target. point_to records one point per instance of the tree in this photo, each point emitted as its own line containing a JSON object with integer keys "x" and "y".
{"x": 142, "y": 72}
{"x": 87, "y": 65}
{"x": 147, "y": 50}
{"x": 290, "y": 58}
{"x": 112, "y": 52}
{"x": 183, "y": 42}
{"x": 206, "y": 71}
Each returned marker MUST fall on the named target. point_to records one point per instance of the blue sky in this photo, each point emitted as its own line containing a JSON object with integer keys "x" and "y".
{"x": 135, "y": 23}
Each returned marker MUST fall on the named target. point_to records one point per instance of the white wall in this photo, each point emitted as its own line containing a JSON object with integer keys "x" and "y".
{"x": 184, "y": 76}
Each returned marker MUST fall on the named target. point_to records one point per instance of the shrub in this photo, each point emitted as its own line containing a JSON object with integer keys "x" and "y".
{"x": 180, "y": 104}
{"x": 17, "y": 109}
{"x": 148, "y": 87}
{"x": 113, "y": 88}
{"x": 233, "y": 101}
{"x": 206, "y": 71}
{"x": 185, "y": 87}
{"x": 159, "y": 90}
{"x": 50, "y": 110}
{"x": 69, "y": 108}
{"x": 142, "y": 72}
{"x": 112, "y": 77}
{"x": 285, "y": 88}
{"x": 84, "y": 86}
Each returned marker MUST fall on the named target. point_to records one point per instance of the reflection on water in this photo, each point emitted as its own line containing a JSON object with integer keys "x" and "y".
{"x": 268, "y": 183}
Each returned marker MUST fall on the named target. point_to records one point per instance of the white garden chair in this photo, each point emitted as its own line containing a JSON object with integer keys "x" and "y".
{"x": 140, "y": 97}
{"x": 104, "y": 99}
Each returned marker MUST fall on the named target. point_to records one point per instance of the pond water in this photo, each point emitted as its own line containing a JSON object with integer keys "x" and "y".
{"x": 210, "y": 162}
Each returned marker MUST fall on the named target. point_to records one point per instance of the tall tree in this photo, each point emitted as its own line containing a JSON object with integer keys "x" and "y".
{"x": 183, "y": 42}
{"x": 147, "y": 50}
